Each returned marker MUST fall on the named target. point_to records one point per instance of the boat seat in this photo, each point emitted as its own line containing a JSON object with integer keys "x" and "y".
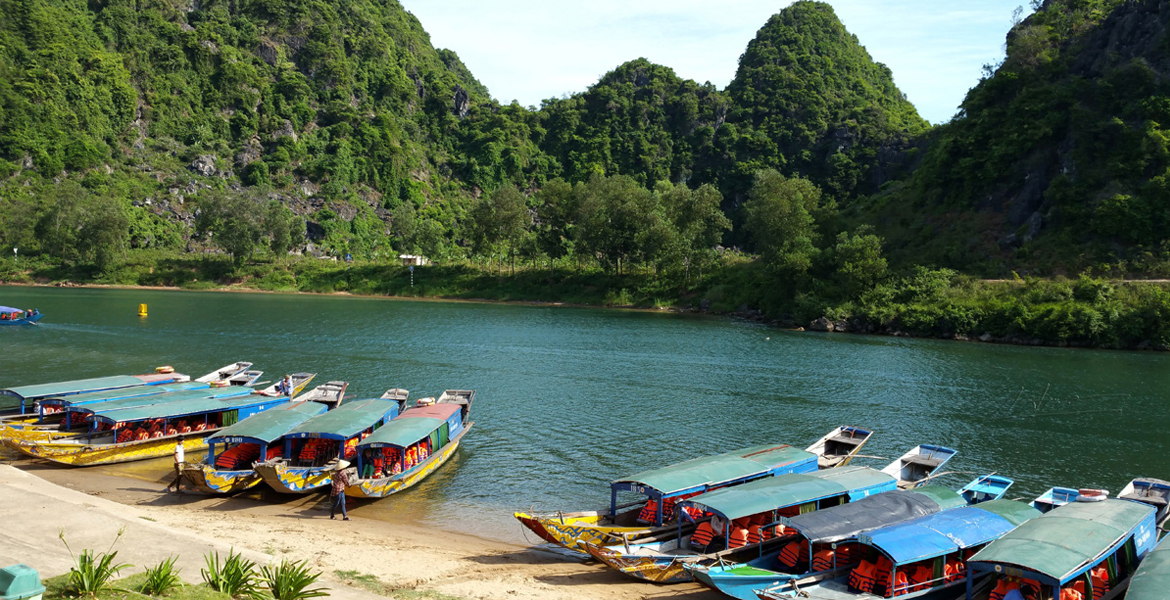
{"x": 1154, "y": 499}
{"x": 844, "y": 439}
{"x": 922, "y": 459}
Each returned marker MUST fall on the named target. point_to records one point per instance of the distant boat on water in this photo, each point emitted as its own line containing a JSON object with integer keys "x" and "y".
{"x": 15, "y": 316}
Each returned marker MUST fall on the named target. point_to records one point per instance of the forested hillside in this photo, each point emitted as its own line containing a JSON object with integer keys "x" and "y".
{"x": 197, "y": 143}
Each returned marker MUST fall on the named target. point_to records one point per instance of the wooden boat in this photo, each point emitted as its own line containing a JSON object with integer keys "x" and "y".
{"x": 823, "y": 545}
{"x": 1152, "y": 579}
{"x": 1086, "y": 550}
{"x": 1154, "y": 492}
{"x": 312, "y": 448}
{"x": 61, "y": 414}
{"x": 1055, "y": 497}
{"x": 840, "y": 446}
{"x": 412, "y": 446}
{"x": 232, "y": 452}
{"x": 925, "y": 556}
{"x": 733, "y": 522}
{"x": 664, "y": 487}
{"x": 920, "y": 463}
{"x": 15, "y": 316}
{"x": 330, "y": 393}
{"x": 22, "y": 399}
{"x": 129, "y": 434}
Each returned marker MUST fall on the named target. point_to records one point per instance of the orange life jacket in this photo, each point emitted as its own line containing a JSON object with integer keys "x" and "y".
{"x": 1072, "y": 593}
{"x": 739, "y": 537}
{"x": 954, "y": 570}
{"x": 921, "y": 578}
{"x": 794, "y": 554}
{"x": 863, "y": 577}
{"x": 647, "y": 515}
{"x": 1100, "y": 579}
{"x": 823, "y": 560}
{"x": 702, "y": 535}
{"x": 1002, "y": 587}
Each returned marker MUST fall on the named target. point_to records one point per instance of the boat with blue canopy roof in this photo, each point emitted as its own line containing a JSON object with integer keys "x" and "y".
{"x": 313, "y": 448}
{"x": 733, "y": 523}
{"x": 412, "y": 446}
{"x": 817, "y": 545}
{"x": 232, "y": 452}
{"x": 128, "y": 434}
{"x": 22, "y": 399}
{"x": 1084, "y": 550}
{"x": 919, "y": 557}
{"x": 661, "y": 489}
{"x": 15, "y": 316}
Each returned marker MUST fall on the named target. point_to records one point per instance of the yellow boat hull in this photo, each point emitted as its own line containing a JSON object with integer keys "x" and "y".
{"x": 380, "y": 488}
{"x": 209, "y": 480}
{"x": 75, "y": 454}
{"x": 293, "y": 480}
{"x": 572, "y": 532}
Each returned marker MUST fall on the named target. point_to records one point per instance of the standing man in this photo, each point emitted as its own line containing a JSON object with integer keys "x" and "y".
{"x": 340, "y": 482}
{"x": 180, "y": 456}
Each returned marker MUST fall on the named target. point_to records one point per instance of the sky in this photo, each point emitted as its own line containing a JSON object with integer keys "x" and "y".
{"x": 532, "y": 50}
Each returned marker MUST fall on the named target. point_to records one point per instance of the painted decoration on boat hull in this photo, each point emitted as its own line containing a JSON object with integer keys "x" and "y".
{"x": 210, "y": 480}
{"x": 77, "y": 455}
{"x": 577, "y": 531}
{"x": 293, "y": 480}
{"x": 380, "y": 488}
{"x": 656, "y": 569}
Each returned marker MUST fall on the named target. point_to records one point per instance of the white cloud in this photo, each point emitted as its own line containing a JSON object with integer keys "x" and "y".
{"x": 531, "y": 50}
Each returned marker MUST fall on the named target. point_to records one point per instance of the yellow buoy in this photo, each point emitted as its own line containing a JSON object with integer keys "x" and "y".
{"x": 142, "y": 310}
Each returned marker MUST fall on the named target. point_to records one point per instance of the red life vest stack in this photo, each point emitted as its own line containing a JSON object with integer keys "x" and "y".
{"x": 863, "y": 578}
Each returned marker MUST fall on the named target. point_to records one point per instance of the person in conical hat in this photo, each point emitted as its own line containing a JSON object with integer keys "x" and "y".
{"x": 340, "y": 482}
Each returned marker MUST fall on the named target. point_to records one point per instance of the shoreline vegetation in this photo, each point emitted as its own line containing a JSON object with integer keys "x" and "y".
{"x": 1085, "y": 312}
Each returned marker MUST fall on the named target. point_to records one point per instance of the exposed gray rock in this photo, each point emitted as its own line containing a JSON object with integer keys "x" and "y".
{"x": 986, "y": 337}
{"x": 286, "y": 130}
{"x": 821, "y": 324}
{"x": 250, "y": 153}
{"x": 268, "y": 52}
{"x": 210, "y": 45}
{"x": 204, "y": 165}
{"x": 1035, "y": 222}
{"x": 462, "y": 102}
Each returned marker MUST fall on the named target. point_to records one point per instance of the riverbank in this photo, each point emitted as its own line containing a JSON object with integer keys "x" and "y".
{"x": 926, "y": 303}
{"x": 399, "y": 559}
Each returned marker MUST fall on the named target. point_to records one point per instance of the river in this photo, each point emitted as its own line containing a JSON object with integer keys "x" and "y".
{"x": 570, "y": 398}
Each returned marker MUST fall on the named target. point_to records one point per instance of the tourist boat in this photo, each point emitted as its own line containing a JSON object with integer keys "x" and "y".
{"x": 52, "y": 413}
{"x": 412, "y": 446}
{"x": 816, "y": 545}
{"x": 1154, "y": 492}
{"x": 129, "y": 434}
{"x": 1086, "y": 549}
{"x": 1152, "y": 579}
{"x": 807, "y": 537}
{"x": 732, "y": 522}
{"x": 1055, "y": 497}
{"x": 23, "y": 398}
{"x": 15, "y": 316}
{"x": 663, "y": 488}
{"x": 232, "y": 452}
{"x": 920, "y": 463}
{"x": 311, "y": 450}
{"x": 915, "y": 558}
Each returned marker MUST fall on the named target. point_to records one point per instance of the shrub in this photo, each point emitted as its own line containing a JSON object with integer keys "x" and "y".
{"x": 291, "y": 581}
{"x": 162, "y": 578}
{"x": 235, "y": 577}
{"x": 92, "y": 571}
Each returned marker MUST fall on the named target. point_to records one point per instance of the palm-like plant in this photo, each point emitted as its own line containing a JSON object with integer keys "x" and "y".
{"x": 92, "y": 571}
{"x": 162, "y": 578}
{"x": 291, "y": 581}
{"x": 235, "y": 577}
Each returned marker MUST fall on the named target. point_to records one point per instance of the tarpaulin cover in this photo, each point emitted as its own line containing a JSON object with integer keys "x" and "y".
{"x": 793, "y": 489}
{"x": 141, "y": 401}
{"x": 842, "y": 522}
{"x": 347, "y": 420}
{"x": 402, "y": 432}
{"x": 271, "y": 424}
{"x": 949, "y": 531}
{"x": 61, "y": 388}
{"x": 1061, "y": 542}
{"x": 119, "y": 394}
{"x": 1153, "y": 575}
{"x": 184, "y": 408}
{"x": 721, "y": 468}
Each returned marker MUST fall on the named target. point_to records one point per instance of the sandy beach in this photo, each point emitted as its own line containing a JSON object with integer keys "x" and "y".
{"x": 91, "y": 506}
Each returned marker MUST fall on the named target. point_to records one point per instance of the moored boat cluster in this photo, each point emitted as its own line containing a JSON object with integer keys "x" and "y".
{"x": 776, "y": 522}
{"x": 292, "y": 441}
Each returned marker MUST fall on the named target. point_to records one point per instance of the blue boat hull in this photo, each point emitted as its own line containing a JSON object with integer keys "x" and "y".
{"x": 25, "y": 321}
{"x": 736, "y": 586}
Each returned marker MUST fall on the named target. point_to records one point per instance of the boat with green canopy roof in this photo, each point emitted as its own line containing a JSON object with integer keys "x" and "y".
{"x": 1083, "y": 550}
{"x": 128, "y": 434}
{"x": 232, "y": 452}
{"x": 314, "y": 447}
{"x": 739, "y": 522}
{"x": 21, "y": 400}
{"x": 1152, "y": 579}
{"x": 661, "y": 489}
{"x": 413, "y": 445}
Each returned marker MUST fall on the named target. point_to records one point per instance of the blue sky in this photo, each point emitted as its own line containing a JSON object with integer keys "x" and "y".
{"x": 530, "y": 50}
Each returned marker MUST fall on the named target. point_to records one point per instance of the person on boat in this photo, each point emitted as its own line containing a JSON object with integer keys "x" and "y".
{"x": 180, "y": 456}
{"x": 285, "y": 387}
{"x": 340, "y": 482}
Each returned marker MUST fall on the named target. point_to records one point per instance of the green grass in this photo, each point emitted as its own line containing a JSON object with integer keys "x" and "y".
{"x": 370, "y": 583}
{"x": 56, "y": 588}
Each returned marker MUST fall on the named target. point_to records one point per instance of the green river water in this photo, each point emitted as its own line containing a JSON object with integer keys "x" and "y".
{"x": 568, "y": 399}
